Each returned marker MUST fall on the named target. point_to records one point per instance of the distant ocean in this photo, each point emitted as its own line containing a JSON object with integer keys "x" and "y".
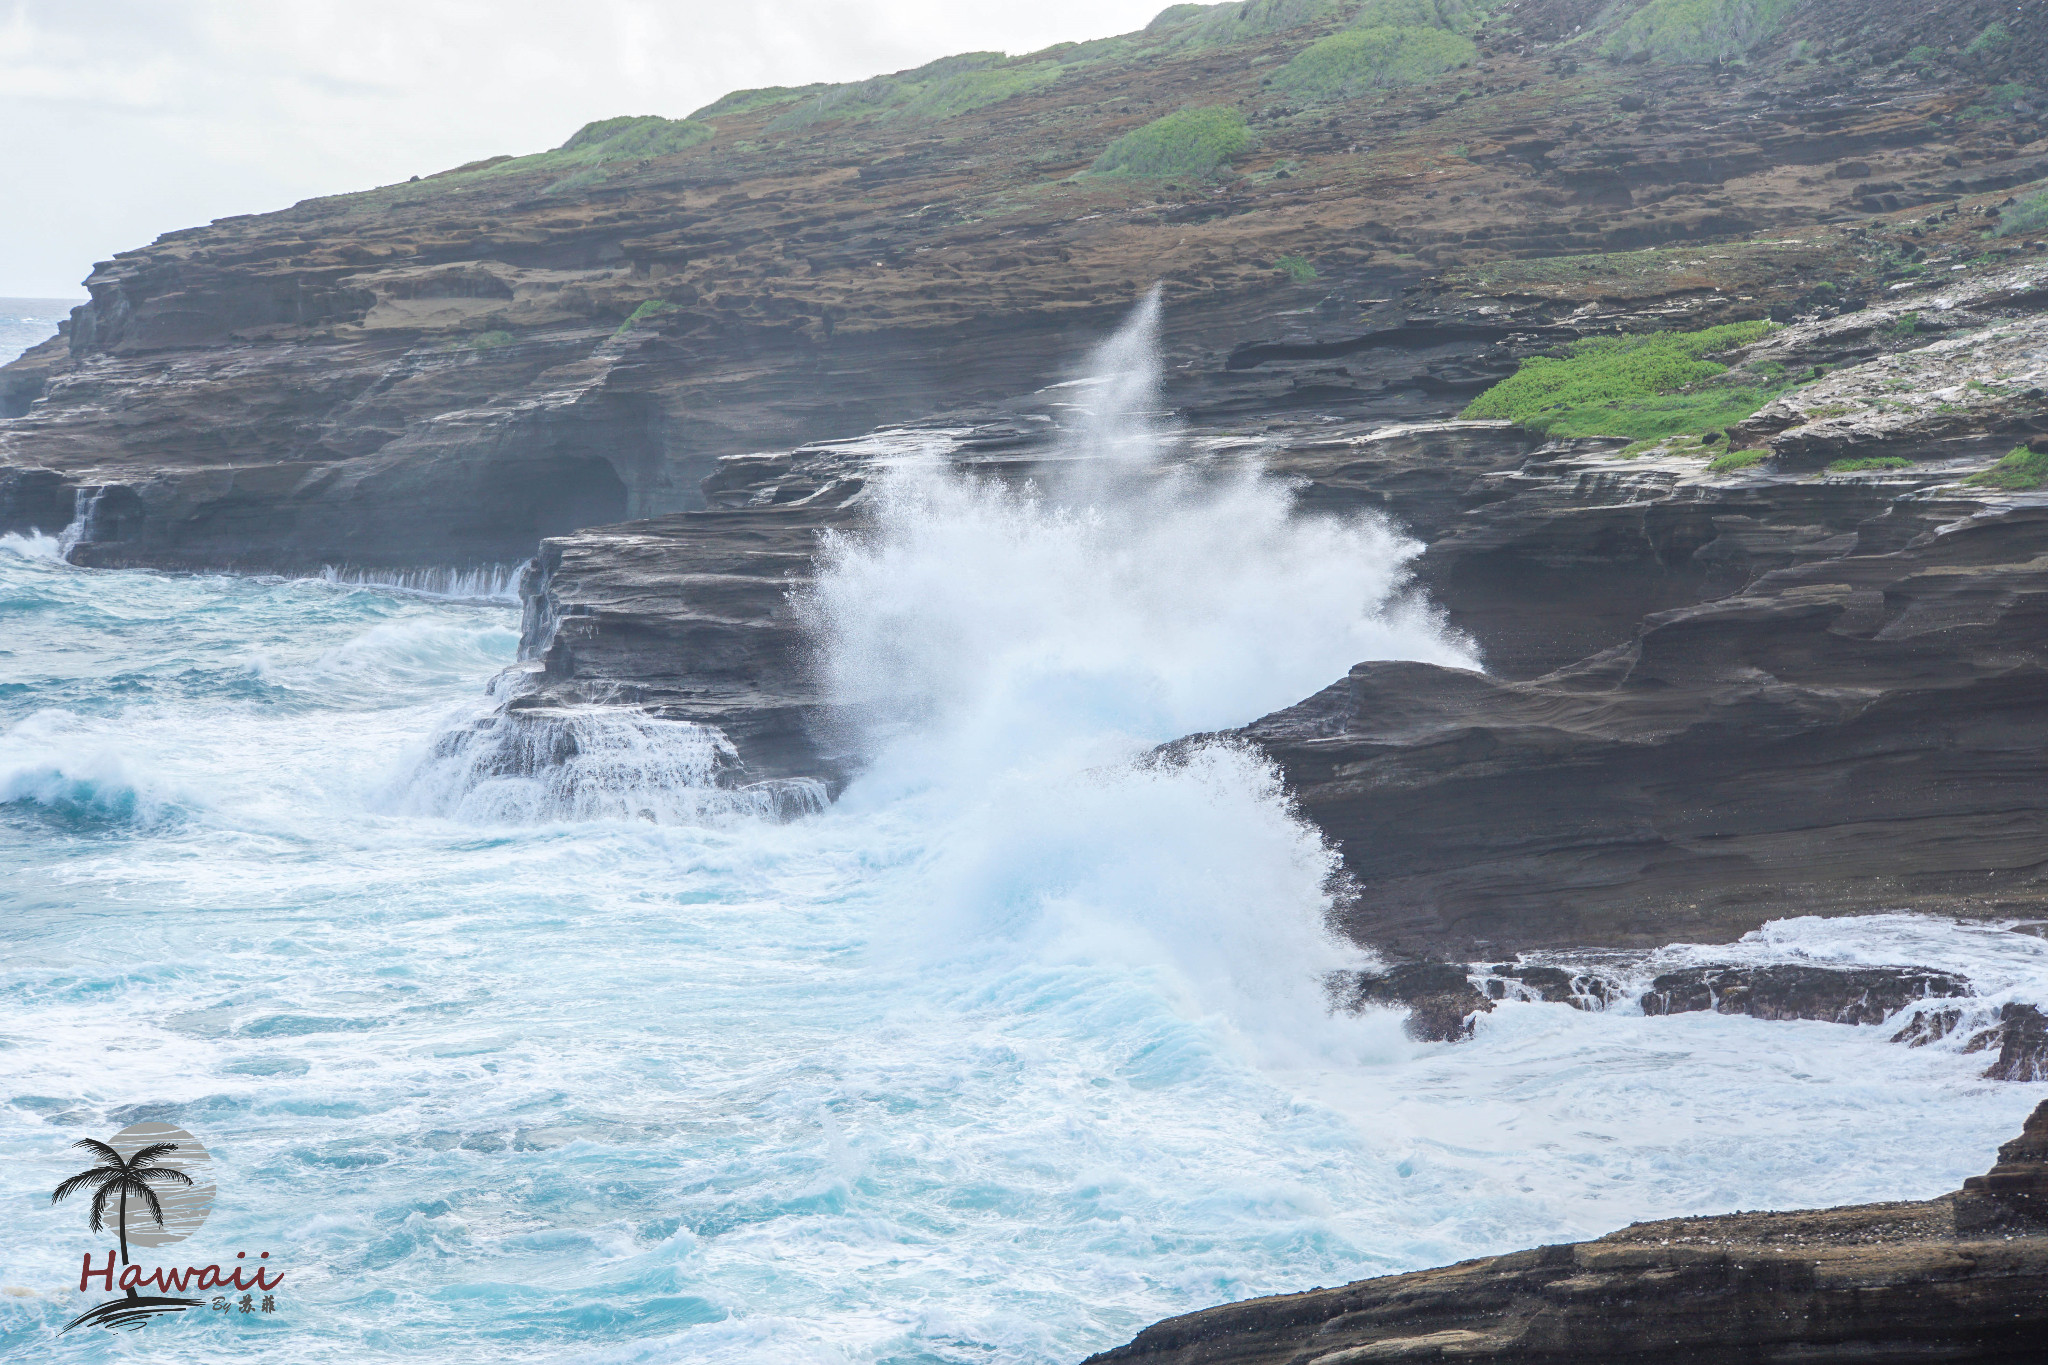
{"x": 25, "y": 322}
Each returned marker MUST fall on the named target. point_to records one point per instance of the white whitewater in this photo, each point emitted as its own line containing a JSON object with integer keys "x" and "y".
{"x": 592, "y": 763}
{"x": 1014, "y": 1049}
{"x": 1011, "y": 654}
{"x": 477, "y": 583}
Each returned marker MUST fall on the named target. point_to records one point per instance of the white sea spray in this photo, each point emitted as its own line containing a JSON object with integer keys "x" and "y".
{"x": 1014, "y": 1050}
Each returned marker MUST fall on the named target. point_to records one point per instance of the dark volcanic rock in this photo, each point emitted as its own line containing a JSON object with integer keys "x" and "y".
{"x": 2021, "y": 1037}
{"x": 689, "y": 617}
{"x": 1845, "y": 734}
{"x": 1552, "y": 985}
{"x": 1851, "y": 995}
{"x": 443, "y": 371}
{"x": 2015, "y": 1191}
{"x": 1963, "y": 1278}
{"x": 1443, "y": 1005}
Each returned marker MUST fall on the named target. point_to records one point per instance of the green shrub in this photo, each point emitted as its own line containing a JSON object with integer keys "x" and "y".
{"x": 2027, "y": 215}
{"x": 489, "y": 341}
{"x": 2021, "y": 471}
{"x": 633, "y": 138}
{"x": 1737, "y": 459}
{"x": 1907, "y": 325}
{"x": 581, "y": 158}
{"x": 956, "y": 94}
{"x": 1193, "y": 142}
{"x": 746, "y": 101}
{"x": 1992, "y": 38}
{"x": 1199, "y": 26}
{"x": 1173, "y": 16}
{"x": 1346, "y": 65}
{"x": 937, "y": 90}
{"x": 1698, "y": 30}
{"x": 651, "y": 308}
{"x": 1453, "y": 16}
{"x": 1869, "y": 464}
{"x": 1642, "y": 387}
{"x": 1922, "y": 54}
{"x": 1295, "y": 268}
{"x": 593, "y": 175}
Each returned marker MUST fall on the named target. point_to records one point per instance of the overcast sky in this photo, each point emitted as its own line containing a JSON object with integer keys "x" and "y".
{"x": 124, "y": 119}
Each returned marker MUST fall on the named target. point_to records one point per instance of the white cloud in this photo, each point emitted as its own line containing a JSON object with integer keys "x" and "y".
{"x": 129, "y": 118}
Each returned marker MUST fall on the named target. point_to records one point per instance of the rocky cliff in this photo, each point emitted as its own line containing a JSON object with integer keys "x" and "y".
{"x": 444, "y": 371}
{"x": 1859, "y": 732}
{"x": 1715, "y": 688}
{"x": 1960, "y": 1278}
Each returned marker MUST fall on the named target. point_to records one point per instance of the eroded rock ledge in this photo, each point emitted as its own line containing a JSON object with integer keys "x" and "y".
{"x": 1851, "y": 733}
{"x": 1962, "y": 1278}
{"x": 443, "y": 371}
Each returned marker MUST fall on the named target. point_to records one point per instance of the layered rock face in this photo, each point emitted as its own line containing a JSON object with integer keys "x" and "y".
{"x": 688, "y": 617}
{"x": 443, "y": 372}
{"x": 2013, "y": 1193}
{"x": 1962, "y": 1278}
{"x": 1852, "y": 733}
{"x": 1711, "y": 699}
{"x": 692, "y": 616}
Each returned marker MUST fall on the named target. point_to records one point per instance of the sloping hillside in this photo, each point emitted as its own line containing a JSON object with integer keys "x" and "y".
{"x": 440, "y": 372}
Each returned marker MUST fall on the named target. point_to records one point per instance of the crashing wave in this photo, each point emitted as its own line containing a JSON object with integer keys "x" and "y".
{"x": 35, "y": 545}
{"x": 540, "y": 765}
{"x": 481, "y": 583}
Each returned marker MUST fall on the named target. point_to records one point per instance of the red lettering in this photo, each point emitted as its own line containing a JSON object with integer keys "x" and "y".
{"x": 210, "y": 1278}
{"x": 131, "y": 1276}
{"x": 88, "y": 1272}
{"x": 236, "y": 1280}
{"x": 271, "y": 1284}
{"x": 173, "y": 1281}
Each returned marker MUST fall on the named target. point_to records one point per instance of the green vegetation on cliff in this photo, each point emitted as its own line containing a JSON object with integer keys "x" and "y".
{"x": 589, "y": 149}
{"x": 651, "y": 308}
{"x": 1870, "y": 464}
{"x": 630, "y": 139}
{"x": 1389, "y": 43}
{"x": 1641, "y": 387}
{"x": 1192, "y": 142}
{"x": 1698, "y": 30}
{"x": 1346, "y": 65}
{"x": 1205, "y": 26}
{"x": 936, "y": 90}
{"x": 1994, "y": 36}
{"x": 2021, "y": 471}
{"x": 2028, "y": 215}
{"x": 746, "y": 101}
{"x": 1737, "y": 459}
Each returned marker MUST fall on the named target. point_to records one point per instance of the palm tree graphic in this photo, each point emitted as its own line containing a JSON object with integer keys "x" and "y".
{"x": 115, "y": 1175}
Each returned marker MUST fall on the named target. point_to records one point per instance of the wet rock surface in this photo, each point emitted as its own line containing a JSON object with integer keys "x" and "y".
{"x": 1442, "y": 1003}
{"x": 2014, "y": 1192}
{"x": 1960, "y": 1278}
{"x": 2021, "y": 1037}
{"x": 1854, "y": 995}
{"x": 1583, "y": 990}
{"x": 1842, "y": 734}
{"x": 688, "y": 617}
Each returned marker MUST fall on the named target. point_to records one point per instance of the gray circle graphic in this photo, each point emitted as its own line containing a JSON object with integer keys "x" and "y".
{"x": 185, "y": 1206}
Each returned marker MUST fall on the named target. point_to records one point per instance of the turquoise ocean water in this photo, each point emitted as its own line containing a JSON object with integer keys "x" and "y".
{"x": 1017, "y": 1047}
